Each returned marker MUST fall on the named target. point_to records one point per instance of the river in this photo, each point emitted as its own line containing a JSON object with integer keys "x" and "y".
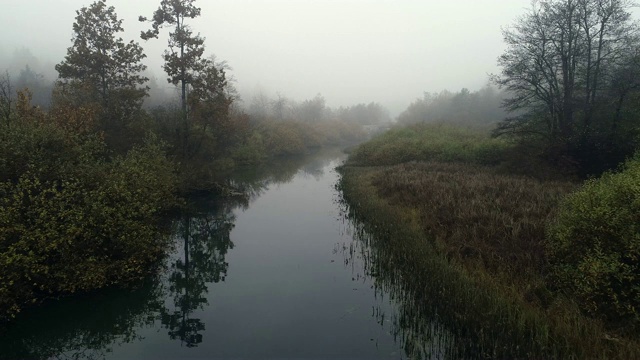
{"x": 274, "y": 274}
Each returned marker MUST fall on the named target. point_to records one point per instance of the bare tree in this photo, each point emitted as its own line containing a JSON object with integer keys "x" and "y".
{"x": 280, "y": 107}
{"x": 559, "y": 65}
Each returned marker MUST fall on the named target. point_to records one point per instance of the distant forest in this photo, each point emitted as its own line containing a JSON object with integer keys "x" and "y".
{"x": 481, "y": 108}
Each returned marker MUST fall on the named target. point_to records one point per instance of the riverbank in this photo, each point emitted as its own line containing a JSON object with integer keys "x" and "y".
{"x": 468, "y": 238}
{"x": 269, "y": 272}
{"x": 78, "y": 215}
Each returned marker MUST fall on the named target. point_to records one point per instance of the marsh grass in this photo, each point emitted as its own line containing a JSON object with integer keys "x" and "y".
{"x": 493, "y": 307}
{"x": 474, "y": 215}
{"x": 454, "y": 144}
{"x": 437, "y": 142}
{"x": 460, "y": 221}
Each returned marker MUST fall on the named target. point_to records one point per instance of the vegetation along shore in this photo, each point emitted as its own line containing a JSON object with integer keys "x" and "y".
{"x": 527, "y": 228}
{"x": 510, "y": 215}
{"x": 89, "y": 175}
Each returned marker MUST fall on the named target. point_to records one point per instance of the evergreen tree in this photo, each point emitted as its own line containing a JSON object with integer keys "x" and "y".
{"x": 184, "y": 58}
{"x": 102, "y": 68}
{"x": 204, "y": 99}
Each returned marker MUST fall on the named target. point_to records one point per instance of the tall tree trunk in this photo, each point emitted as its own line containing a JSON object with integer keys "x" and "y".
{"x": 183, "y": 83}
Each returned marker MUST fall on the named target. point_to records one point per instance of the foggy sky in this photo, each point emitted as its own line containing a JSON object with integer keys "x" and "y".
{"x": 350, "y": 51}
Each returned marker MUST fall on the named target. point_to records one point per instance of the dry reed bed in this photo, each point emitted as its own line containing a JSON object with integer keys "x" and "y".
{"x": 488, "y": 231}
{"x": 476, "y": 215}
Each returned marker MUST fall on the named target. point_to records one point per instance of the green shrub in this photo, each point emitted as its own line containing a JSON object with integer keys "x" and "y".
{"x": 251, "y": 151}
{"x": 594, "y": 245}
{"x": 72, "y": 221}
{"x": 46, "y": 150}
{"x": 283, "y": 138}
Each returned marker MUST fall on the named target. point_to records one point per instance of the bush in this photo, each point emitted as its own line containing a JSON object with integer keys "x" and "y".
{"x": 73, "y": 221}
{"x": 251, "y": 151}
{"x": 45, "y": 150}
{"x": 594, "y": 245}
{"x": 284, "y": 138}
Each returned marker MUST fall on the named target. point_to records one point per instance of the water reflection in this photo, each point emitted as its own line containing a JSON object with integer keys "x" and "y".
{"x": 92, "y": 326}
{"x": 205, "y": 242}
{"x": 203, "y": 237}
{"x": 255, "y": 180}
{"x": 87, "y": 327}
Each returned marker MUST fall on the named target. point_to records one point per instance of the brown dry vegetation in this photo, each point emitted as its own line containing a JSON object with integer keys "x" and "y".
{"x": 476, "y": 216}
{"x": 477, "y": 235}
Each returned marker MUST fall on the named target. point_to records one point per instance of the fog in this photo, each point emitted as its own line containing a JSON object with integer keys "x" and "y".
{"x": 349, "y": 51}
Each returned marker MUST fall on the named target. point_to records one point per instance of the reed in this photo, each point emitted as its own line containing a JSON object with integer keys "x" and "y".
{"x": 491, "y": 311}
{"x": 464, "y": 235}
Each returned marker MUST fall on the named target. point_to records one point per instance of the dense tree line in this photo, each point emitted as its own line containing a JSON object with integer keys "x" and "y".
{"x": 568, "y": 104}
{"x": 571, "y": 71}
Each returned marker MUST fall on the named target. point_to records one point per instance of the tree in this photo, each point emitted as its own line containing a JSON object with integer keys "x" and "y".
{"x": 209, "y": 104}
{"x": 103, "y": 64}
{"x": 312, "y": 110}
{"x": 184, "y": 56}
{"x": 183, "y": 61}
{"x": 6, "y": 99}
{"x": 479, "y": 108}
{"x": 559, "y": 71}
{"x": 260, "y": 107}
{"x": 37, "y": 84}
{"x": 364, "y": 114}
{"x": 280, "y": 107}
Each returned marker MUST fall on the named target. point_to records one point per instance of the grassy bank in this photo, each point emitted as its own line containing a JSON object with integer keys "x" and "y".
{"x": 419, "y": 142}
{"x": 469, "y": 241}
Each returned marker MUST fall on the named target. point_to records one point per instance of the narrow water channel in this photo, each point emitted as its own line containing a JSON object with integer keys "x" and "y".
{"x": 275, "y": 274}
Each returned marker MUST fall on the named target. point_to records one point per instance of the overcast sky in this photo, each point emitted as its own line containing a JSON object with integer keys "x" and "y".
{"x": 350, "y": 51}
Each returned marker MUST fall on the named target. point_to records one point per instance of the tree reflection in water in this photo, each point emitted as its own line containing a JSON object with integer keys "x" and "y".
{"x": 205, "y": 242}
{"x": 204, "y": 237}
{"x": 72, "y": 328}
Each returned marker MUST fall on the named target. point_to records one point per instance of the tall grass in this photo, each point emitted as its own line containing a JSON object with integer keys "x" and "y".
{"x": 420, "y": 142}
{"x": 475, "y": 215}
{"x": 493, "y": 307}
{"x": 467, "y": 234}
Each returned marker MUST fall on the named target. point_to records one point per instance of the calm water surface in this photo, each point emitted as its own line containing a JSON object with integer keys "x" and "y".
{"x": 276, "y": 274}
